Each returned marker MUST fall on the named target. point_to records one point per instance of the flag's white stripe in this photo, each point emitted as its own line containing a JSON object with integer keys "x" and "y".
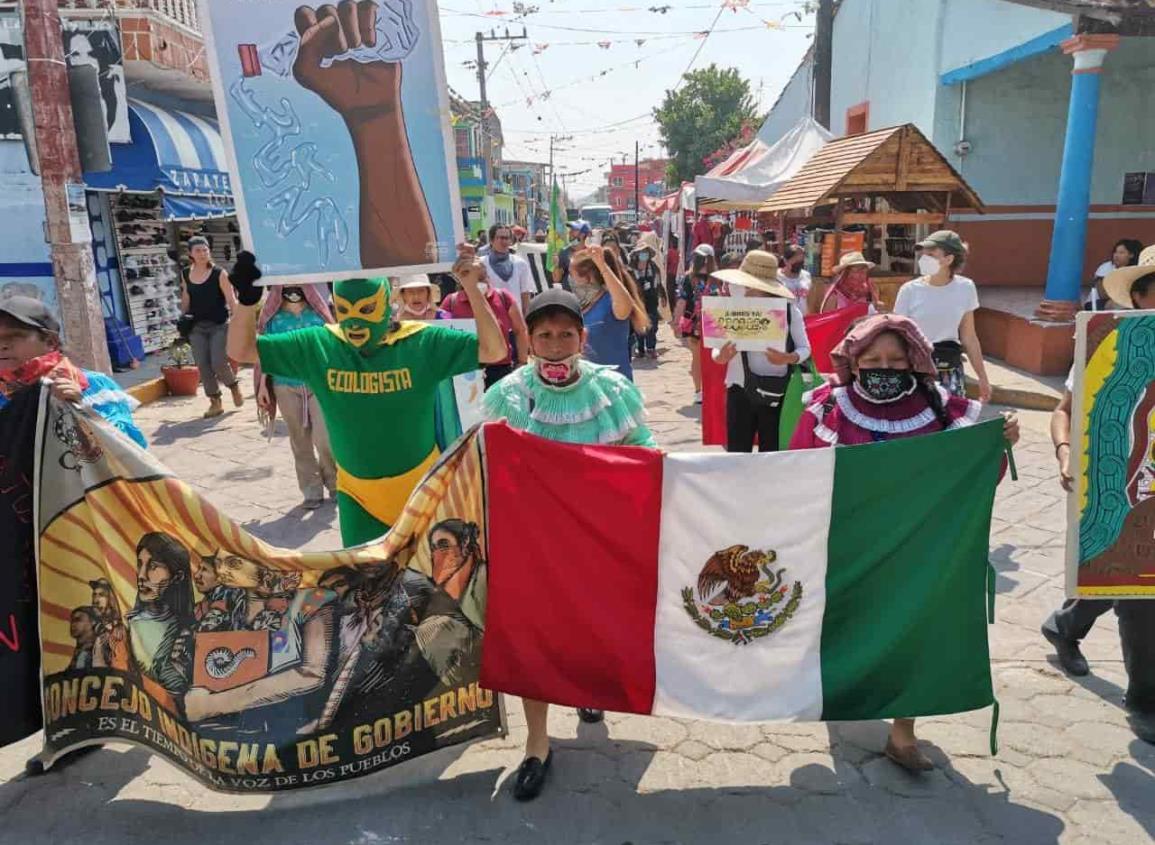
{"x": 779, "y": 502}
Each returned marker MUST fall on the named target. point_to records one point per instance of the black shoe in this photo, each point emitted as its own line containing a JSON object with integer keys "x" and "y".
{"x": 531, "y": 777}
{"x": 591, "y": 716}
{"x": 1143, "y": 724}
{"x": 1070, "y": 658}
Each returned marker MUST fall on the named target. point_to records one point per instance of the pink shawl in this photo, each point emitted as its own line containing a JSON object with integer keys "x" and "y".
{"x": 315, "y": 296}
{"x": 862, "y": 334}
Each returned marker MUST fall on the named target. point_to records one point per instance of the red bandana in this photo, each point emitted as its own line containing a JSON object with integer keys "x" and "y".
{"x": 51, "y": 365}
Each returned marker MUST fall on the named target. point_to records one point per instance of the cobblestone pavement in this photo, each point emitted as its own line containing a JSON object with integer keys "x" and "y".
{"x": 1068, "y": 770}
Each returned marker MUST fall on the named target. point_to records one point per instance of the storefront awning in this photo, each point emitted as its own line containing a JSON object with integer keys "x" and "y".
{"x": 196, "y": 208}
{"x": 172, "y": 151}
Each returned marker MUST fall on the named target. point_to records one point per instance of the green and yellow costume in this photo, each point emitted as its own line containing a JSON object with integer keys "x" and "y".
{"x": 377, "y": 383}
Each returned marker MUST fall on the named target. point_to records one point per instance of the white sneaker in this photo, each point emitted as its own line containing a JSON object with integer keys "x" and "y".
{"x": 698, "y": 398}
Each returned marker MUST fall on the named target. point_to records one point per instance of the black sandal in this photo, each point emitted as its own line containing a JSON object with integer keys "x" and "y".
{"x": 591, "y": 716}
{"x": 531, "y": 777}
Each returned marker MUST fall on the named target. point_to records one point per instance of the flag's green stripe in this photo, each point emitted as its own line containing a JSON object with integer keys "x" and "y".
{"x": 905, "y": 629}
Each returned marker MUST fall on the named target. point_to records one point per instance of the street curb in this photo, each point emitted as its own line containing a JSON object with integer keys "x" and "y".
{"x": 148, "y": 391}
{"x": 1027, "y": 400}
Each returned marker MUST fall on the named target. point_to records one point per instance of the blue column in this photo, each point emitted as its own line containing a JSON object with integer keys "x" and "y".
{"x": 1069, "y": 239}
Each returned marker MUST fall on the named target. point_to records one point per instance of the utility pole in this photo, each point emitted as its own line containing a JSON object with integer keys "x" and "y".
{"x": 552, "y": 140}
{"x": 637, "y": 186}
{"x": 823, "y": 58}
{"x": 486, "y": 142}
{"x": 77, "y": 293}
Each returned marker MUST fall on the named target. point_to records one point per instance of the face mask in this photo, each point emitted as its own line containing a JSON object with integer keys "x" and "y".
{"x": 586, "y": 292}
{"x": 644, "y": 258}
{"x": 557, "y": 372}
{"x": 292, "y": 294}
{"x": 928, "y": 265}
{"x": 483, "y": 287}
{"x": 886, "y": 385}
{"x": 362, "y": 311}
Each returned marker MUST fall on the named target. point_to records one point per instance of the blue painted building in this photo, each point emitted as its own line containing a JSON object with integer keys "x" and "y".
{"x": 1010, "y": 95}
{"x": 167, "y": 181}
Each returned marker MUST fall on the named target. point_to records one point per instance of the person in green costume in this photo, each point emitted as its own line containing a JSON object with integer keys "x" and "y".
{"x": 376, "y": 380}
{"x": 560, "y": 396}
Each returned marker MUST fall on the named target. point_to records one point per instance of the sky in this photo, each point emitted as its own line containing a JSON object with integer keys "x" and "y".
{"x": 606, "y": 114}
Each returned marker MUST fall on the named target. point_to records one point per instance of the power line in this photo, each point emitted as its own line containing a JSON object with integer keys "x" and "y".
{"x": 636, "y": 33}
{"x": 633, "y": 63}
{"x": 701, "y": 46}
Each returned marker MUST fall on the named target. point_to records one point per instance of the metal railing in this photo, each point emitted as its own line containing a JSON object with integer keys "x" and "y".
{"x": 181, "y": 12}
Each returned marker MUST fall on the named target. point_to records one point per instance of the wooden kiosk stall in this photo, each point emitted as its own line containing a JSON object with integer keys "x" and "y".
{"x": 893, "y": 182}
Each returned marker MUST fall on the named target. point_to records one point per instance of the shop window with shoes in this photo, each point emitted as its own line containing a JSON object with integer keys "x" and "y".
{"x": 150, "y": 277}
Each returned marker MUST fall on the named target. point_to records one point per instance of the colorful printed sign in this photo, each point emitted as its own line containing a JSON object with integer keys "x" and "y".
{"x": 753, "y": 324}
{"x": 253, "y": 668}
{"x": 1111, "y": 516}
{"x": 336, "y": 130}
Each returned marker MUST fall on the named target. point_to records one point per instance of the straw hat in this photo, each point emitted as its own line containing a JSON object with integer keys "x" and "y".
{"x": 648, "y": 240}
{"x": 759, "y": 270}
{"x": 1118, "y": 282}
{"x": 410, "y": 282}
{"x": 851, "y": 259}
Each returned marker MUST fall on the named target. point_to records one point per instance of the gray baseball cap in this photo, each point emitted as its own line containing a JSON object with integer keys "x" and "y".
{"x": 30, "y": 312}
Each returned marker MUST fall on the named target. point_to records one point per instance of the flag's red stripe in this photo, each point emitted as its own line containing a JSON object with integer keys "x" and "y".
{"x": 573, "y": 571}
{"x": 825, "y": 331}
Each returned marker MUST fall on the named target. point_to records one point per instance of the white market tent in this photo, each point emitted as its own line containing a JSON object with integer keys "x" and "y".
{"x": 751, "y": 175}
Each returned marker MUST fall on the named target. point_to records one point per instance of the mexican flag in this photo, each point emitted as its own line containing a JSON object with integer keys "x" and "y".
{"x": 832, "y": 584}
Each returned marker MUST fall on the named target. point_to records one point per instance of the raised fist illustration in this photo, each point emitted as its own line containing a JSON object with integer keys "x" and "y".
{"x": 353, "y": 88}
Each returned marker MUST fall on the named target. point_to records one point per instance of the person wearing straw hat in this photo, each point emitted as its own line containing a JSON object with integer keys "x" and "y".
{"x": 756, "y": 382}
{"x": 943, "y": 303}
{"x": 1128, "y": 287}
{"x": 851, "y": 284}
{"x": 416, "y": 295}
{"x": 644, "y": 265}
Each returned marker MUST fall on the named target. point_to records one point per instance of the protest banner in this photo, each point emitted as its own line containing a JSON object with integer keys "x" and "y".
{"x": 261, "y": 669}
{"x": 253, "y": 668}
{"x": 19, "y": 643}
{"x": 752, "y": 324}
{"x": 336, "y": 130}
{"x": 1111, "y": 517}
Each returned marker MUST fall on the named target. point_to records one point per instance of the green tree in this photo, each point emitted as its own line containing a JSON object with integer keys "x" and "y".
{"x": 705, "y": 113}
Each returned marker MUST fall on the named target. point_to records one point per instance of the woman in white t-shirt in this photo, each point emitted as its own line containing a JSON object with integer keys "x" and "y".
{"x": 943, "y": 303}
{"x": 792, "y": 275}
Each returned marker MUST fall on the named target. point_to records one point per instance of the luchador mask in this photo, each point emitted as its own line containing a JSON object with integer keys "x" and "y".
{"x": 363, "y": 311}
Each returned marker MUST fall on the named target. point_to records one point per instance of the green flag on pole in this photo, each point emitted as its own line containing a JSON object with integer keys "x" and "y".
{"x": 556, "y": 239}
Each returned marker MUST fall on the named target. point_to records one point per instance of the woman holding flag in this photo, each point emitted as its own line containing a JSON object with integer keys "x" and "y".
{"x": 563, "y": 397}
{"x": 885, "y": 387}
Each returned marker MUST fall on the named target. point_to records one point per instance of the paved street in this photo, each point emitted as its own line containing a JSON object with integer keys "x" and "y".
{"x": 1068, "y": 770}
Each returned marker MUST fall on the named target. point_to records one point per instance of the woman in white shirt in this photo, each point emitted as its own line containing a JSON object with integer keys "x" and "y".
{"x": 756, "y": 382}
{"x": 943, "y": 304}
{"x": 1125, "y": 254}
{"x": 794, "y": 277}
